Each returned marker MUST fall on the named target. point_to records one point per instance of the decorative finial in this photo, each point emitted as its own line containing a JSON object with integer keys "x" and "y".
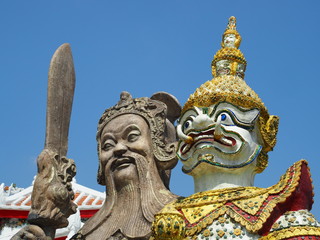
{"x": 231, "y": 37}
{"x": 229, "y": 60}
{"x": 125, "y": 97}
{"x": 232, "y": 23}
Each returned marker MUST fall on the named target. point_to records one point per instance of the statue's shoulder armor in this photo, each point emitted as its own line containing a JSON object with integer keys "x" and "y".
{"x": 293, "y": 192}
{"x": 169, "y": 223}
{"x": 300, "y": 224}
{"x": 257, "y": 209}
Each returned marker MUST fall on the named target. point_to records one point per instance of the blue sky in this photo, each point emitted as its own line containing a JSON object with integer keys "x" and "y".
{"x": 149, "y": 46}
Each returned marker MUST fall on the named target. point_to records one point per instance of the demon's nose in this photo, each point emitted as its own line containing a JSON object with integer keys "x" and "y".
{"x": 202, "y": 121}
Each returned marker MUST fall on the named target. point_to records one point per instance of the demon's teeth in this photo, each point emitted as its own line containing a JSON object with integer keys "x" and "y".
{"x": 226, "y": 141}
{"x": 202, "y": 136}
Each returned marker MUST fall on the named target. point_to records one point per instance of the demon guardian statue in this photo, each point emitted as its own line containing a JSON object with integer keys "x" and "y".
{"x": 225, "y": 135}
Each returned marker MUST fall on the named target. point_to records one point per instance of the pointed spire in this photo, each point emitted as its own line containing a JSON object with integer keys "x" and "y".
{"x": 229, "y": 60}
{"x": 231, "y": 37}
{"x": 228, "y": 85}
{"x": 232, "y": 23}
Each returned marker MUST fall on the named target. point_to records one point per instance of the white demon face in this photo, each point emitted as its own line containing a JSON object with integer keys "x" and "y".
{"x": 221, "y": 135}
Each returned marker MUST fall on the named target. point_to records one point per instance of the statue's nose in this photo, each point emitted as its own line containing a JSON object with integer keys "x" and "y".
{"x": 119, "y": 149}
{"x": 202, "y": 121}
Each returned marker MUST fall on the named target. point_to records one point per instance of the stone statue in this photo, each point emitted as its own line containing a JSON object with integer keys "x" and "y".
{"x": 225, "y": 134}
{"x": 137, "y": 149}
{"x": 52, "y": 191}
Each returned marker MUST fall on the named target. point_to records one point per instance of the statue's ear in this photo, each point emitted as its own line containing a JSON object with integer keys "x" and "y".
{"x": 173, "y": 105}
{"x": 269, "y": 130}
{"x": 166, "y": 154}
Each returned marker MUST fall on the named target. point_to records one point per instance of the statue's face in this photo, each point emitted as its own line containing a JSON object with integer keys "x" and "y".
{"x": 221, "y": 135}
{"x": 240, "y": 70}
{"x": 125, "y": 140}
{"x": 229, "y": 40}
{"x": 223, "y": 67}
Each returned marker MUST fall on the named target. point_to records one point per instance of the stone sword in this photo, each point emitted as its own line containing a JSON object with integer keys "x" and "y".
{"x": 52, "y": 193}
{"x": 61, "y": 84}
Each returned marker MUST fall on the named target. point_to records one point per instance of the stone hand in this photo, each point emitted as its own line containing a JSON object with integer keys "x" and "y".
{"x": 52, "y": 191}
{"x": 31, "y": 232}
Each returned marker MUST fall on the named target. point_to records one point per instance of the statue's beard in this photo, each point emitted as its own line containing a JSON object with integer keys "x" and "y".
{"x": 129, "y": 210}
{"x": 126, "y": 215}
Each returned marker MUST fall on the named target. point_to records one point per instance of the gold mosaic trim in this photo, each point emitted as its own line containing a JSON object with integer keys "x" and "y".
{"x": 232, "y": 194}
{"x": 219, "y": 196}
{"x": 225, "y": 88}
{"x": 235, "y": 57}
{"x": 269, "y": 130}
{"x": 292, "y": 232}
{"x": 200, "y": 201}
{"x": 229, "y": 53}
{"x": 206, "y": 221}
{"x": 237, "y": 99}
{"x": 251, "y": 205}
{"x": 195, "y": 203}
{"x": 194, "y": 214}
{"x": 256, "y": 226}
{"x": 168, "y": 226}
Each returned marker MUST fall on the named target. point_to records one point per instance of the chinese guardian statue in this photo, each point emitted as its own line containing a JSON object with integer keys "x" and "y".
{"x": 225, "y": 134}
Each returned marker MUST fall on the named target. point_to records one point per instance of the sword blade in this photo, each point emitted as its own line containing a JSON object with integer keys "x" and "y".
{"x": 61, "y": 84}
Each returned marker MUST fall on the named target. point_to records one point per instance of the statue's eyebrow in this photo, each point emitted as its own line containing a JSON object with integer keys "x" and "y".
{"x": 129, "y": 128}
{"x": 106, "y": 136}
{"x": 190, "y": 112}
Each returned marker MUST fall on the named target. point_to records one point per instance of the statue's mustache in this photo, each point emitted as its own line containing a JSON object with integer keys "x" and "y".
{"x": 127, "y": 158}
{"x": 122, "y": 160}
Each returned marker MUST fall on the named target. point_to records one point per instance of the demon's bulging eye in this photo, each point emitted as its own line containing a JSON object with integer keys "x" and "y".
{"x": 225, "y": 119}
{"x": 187, "y": 125}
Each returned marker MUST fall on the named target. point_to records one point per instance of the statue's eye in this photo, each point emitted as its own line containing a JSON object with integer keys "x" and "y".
{"x": 107, "y": 146}
{"x": 187, "y": 124}
{"x": 225, "y": 119}
{"x": 133, "y": 136}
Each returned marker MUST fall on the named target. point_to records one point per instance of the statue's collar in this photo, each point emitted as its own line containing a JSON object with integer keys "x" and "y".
{"x": 250, "y": 206}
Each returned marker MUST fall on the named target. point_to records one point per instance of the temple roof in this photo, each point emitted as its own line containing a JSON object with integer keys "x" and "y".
{"x": 86, "y": 198}
{"x": 15, "y": 203}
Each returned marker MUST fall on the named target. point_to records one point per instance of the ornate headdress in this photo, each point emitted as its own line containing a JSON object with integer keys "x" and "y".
{"x": 228, "y": 67}
{"x": 159, "y": 111}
